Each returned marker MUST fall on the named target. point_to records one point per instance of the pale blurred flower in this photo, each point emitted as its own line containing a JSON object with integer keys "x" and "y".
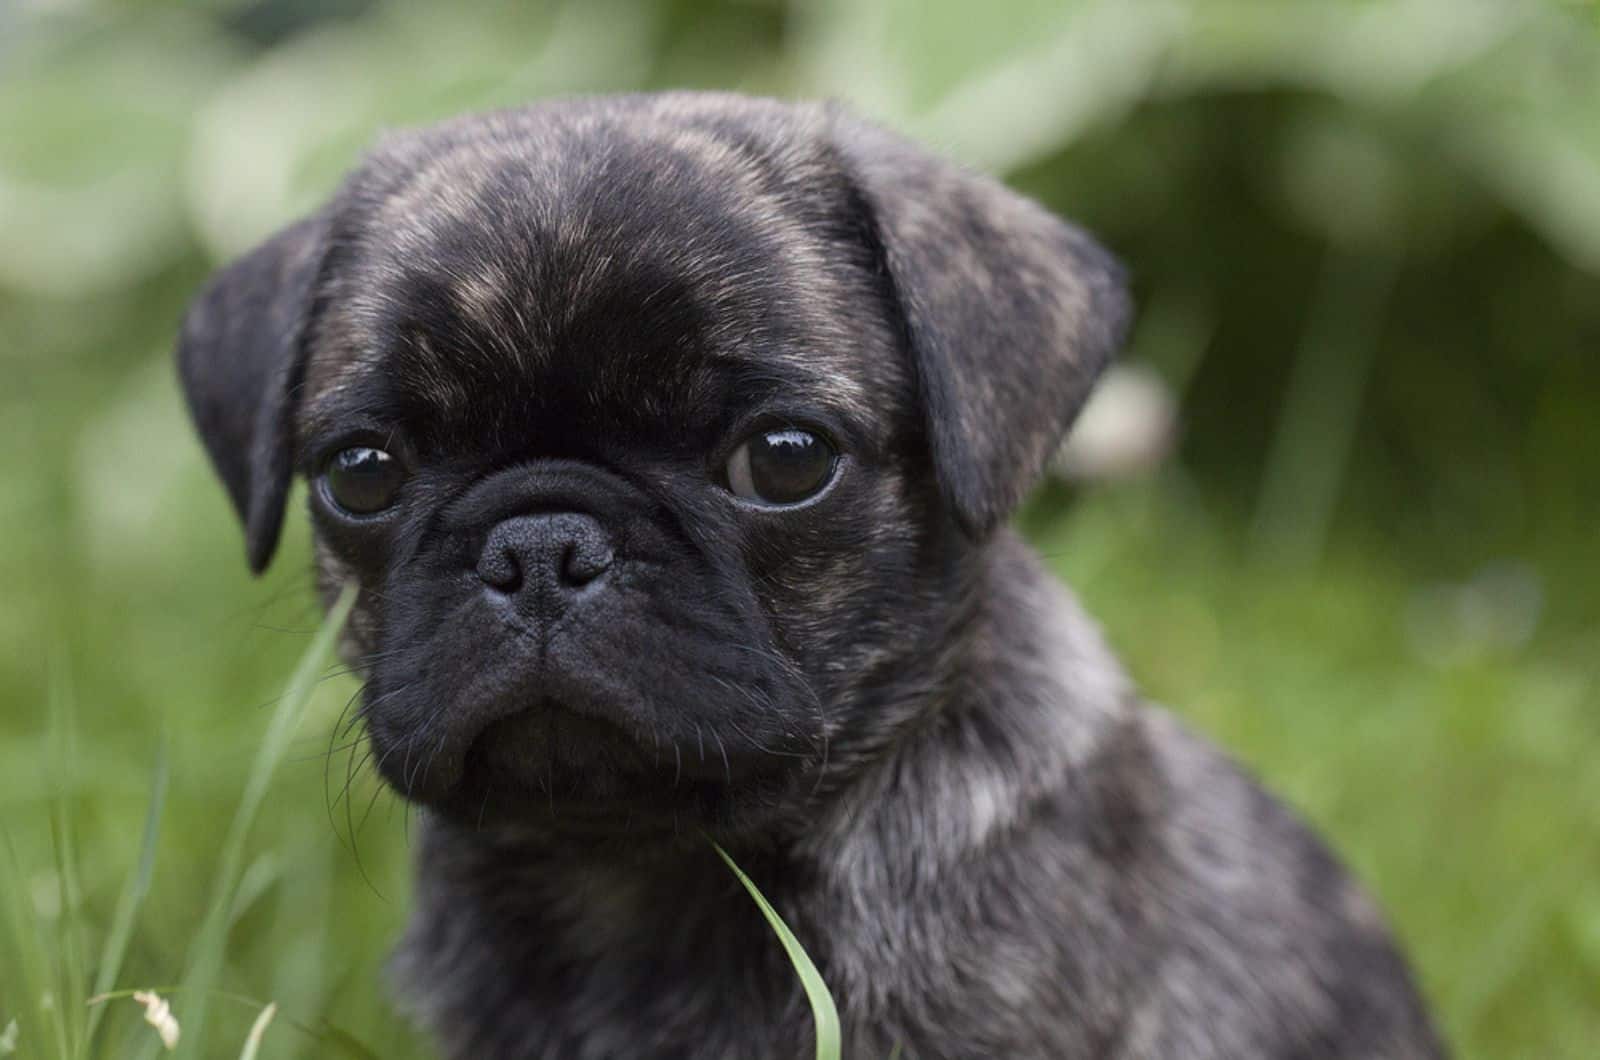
{"x": 1496, "y": 610}
{"x": 45, "y": 890}
{"x": 159, "y": 1015}
{"x": 1128, "y": 427}
{"x": 8, "y": 1039}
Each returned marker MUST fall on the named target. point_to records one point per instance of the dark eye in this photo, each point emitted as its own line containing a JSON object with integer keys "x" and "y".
{"x": 362, "y": 480}
{"x": 780, "y": 467}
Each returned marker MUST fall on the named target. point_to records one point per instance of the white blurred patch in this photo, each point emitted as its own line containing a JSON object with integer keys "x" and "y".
{"x": 1128, "y": 427}
{"x": 44, "y": 889}
{"x": 159, "y": 1015}
{"x": 1497, "y": 610}
{"x": 252, "y": 141}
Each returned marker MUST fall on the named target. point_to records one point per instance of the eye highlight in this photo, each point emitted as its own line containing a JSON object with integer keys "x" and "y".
{"x": 783, "y": 466}
{"x": 362, "y": 480}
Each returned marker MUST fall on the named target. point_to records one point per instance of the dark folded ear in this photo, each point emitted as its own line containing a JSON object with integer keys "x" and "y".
{"x": 241, "y": 357}
{"x": 1010, "y": 312}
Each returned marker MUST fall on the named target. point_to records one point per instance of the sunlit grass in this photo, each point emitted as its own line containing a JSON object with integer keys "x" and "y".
{"x": 205, "y": 963}
{"x": 51, "y": 1010}
{"x": 824, "y": 1015}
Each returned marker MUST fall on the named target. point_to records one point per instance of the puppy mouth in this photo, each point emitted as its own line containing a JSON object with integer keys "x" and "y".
{"x": 549, "y": 735}
{"x": 549, "y": 756}
{"x": 558, "y": 768}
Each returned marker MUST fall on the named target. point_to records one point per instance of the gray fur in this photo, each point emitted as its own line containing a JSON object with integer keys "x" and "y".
{"x": 878, "y": 701}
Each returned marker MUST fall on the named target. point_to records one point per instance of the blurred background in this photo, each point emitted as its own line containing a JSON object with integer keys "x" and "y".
{"x": 1365, "y": 240}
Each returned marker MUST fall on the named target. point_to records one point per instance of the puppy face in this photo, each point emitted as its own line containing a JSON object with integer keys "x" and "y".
{"x": 639, "y": 406}
{"x": 661, "y": 435}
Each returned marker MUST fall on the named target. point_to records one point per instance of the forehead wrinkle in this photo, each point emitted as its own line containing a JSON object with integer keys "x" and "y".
{"x": 530, "y": 227}
{"x": 332, "y": 407}
{"x": 768, "y": 199}
{"x": 392, "y": 223}
{"x": 776, "y": 252}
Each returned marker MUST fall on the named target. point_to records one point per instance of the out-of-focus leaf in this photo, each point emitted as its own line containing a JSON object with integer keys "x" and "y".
{"x": 93, "y": 129}
{"x": 274, "y": 142}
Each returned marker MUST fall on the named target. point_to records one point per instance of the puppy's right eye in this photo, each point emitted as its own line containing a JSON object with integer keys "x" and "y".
{"x": 781, "y": 467}
{"x": 362, "y": 480}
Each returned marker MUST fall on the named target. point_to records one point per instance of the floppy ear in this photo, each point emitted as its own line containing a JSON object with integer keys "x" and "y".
{"x": 1011, "y": 315}
{"x": 241, "y": 357}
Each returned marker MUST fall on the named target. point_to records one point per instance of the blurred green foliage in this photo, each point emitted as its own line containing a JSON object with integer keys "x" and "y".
{"x": 1365, "y": 237}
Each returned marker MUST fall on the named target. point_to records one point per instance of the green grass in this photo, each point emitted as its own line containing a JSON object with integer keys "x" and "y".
{"x": 825, "y": 1017}
{"x": 44, "y": 948}
{"x": 210, "y": 943}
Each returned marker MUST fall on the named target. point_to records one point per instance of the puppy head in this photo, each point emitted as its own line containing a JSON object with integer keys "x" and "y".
{"x": 659, "y": 434}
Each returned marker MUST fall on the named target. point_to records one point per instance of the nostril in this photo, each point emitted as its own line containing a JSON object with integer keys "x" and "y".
{"x": 498, "y": 568}
{"x": 585, "y": 560}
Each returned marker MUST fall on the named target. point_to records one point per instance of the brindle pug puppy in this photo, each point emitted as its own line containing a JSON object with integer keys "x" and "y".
{"x": 671, "y": 440}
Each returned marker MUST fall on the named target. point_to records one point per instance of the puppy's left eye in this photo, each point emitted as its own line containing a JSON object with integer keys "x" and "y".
{"x": 781, "y": 467}
{"x": 362, "y": 480}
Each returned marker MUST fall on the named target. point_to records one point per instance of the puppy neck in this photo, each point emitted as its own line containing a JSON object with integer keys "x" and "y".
{"x": 1031, "y": 699}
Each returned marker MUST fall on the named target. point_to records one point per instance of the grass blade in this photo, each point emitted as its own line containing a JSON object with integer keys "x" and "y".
{"x": 252, "y": 1044}
{"x": 823, "y": 1010}
{"x": 207, "y": 955}
{"x": 324, "y": 1033}
{"x": 25, "y": 958}
{"x": 68, "y": 944}
{"x": 347, "y": 1044}
{"x": 131, "y": 898}
{"x": 69, "y": 948}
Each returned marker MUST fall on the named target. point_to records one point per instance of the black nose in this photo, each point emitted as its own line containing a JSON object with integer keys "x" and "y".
{"x": 545, "y": 559}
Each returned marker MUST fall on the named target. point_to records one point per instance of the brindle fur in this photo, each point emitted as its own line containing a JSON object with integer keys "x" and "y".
{"x": 879, "y": 702}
